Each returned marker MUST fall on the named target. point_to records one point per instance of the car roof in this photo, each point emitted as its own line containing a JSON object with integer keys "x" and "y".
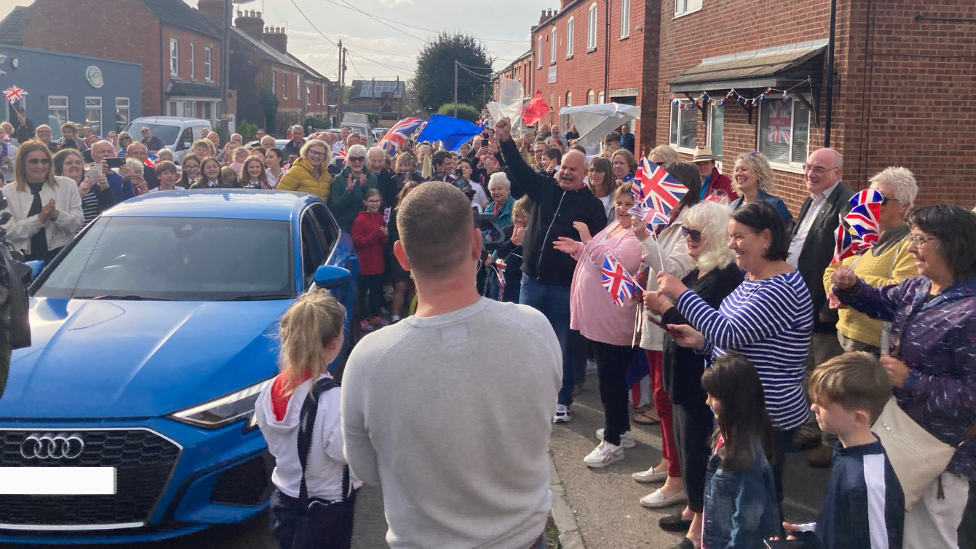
{"x": 172, "y": 120}
{"x": 216, "y": 203}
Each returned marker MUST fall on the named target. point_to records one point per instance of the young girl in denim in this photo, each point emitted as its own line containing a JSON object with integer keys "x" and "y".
{"x": 741, "y": 508}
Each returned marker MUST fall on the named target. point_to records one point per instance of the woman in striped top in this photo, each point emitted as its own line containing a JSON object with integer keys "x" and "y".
{"x": 768, "y": 318}
{"x": 96, "y": 196}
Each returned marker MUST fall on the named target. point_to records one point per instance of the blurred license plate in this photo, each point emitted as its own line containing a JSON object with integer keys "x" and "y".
{"x": 57, "y": 481}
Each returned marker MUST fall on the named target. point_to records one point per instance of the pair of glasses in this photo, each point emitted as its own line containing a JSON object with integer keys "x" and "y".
{"x": 695, "y": 236}
{"x": 357, "y": 158}
{"x": 917, "y": 240}
{"x": 36, "y": 161}
{"x": 316, "y": 154}
{"x": 819, "y": 170}
{"x": 885, "y": 200}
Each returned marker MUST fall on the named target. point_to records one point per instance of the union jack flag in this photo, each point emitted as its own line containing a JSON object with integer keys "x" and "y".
{"x": 780, "y": 121}
{"x": 339, "y": 157}
{"x": 151, "y": 160}
{"x": 864, "y": 217}
{"x": 386, "y": 216}
{"x": 14, "y": 94}
{"x": 396, "y": 136}
{"x": 617, "y": 280}
{"x": 846, "y": 245}
{"x": 500, "y": 267}
{"x": 648, "y": 215}
{"x": 661, "y": 191}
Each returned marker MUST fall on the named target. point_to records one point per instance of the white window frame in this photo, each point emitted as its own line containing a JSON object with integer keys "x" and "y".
{"x": 591, "y": 29}
{"x": 624, "y": 18}
{"x": 552, "y": 46}
{"x": 790, "y": 165}
{"x": 93, "y": 108}
{"x": 590, "y": 97}
{"x": 570, "y": 28}
{"x": 59, "y": 108}
{"x": 123, "y": 104}
{"x": 538, "y": 53}
{"x": 684, "y": 7}
{"x": 601, "y": 98}
{"x": 682, "y": 113}
{"x": 710, "y": 133}
{"x": 298, "y": 88}
{"x": 189, "y": 109}
{"x": 207, "y": 66}
{"x": 193, "y": 65}
{"x": 174, "y": 57}
{"x": 284, "y": 86}
{"x": 569, "y": 99}
{"x": 274, "y": 82}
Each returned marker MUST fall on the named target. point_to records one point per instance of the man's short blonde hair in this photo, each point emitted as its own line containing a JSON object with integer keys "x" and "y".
{"x": 435, "y": 223}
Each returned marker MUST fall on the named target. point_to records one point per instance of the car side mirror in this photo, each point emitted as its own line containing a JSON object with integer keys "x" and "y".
{"x": 35, "y": 267}
{"x": 328, "y": 276}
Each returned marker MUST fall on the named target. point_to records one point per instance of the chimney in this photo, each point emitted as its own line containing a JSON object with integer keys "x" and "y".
{"x": 276, "y": 38}
{"x": 213, "y": 8}
{"x": 250, "y": 22}
{"x": 542, "y": 19}
{"x": 564, "y": 3}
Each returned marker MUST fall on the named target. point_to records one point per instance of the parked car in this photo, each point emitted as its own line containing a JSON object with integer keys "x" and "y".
{"x": 176, "y": 133}
{"x": 154, "y": 331}
{"x": 279, "y": 143}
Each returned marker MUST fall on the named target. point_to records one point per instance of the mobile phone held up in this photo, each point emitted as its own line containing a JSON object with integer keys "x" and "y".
{"x": 115, "y": 162}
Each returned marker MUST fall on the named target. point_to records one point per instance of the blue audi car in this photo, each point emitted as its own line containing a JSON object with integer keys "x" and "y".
{"x": 153, "y": 333}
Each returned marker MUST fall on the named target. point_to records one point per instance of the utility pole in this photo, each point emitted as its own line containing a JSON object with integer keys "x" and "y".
{"x": 341, "y": 66}
{"x": 400, "y": 99}
{"x": 455, "y": 87}
{"x": 372, "y": 98}
{"x": 225, "y": 74}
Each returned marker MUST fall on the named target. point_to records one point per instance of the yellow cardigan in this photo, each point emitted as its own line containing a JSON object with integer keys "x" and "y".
{"x": 874, "y": 270}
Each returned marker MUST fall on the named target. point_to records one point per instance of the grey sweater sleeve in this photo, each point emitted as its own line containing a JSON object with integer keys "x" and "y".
{"x": 359, "y": 451}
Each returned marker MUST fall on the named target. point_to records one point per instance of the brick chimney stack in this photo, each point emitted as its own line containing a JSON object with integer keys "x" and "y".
{"x": 276, "y": 38}
{"x": 213, "y": 8}
{"x": 542, "y": 18}
{"x": 250, "y": 22}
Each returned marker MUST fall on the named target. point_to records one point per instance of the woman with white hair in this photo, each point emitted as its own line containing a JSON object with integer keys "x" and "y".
{"x": 754, "y": 181}
{"x": 713, "y": 278}
{"x": 888, "y": 262}
{"x": 502, "y": 202}
{"x": 349, "y": 188}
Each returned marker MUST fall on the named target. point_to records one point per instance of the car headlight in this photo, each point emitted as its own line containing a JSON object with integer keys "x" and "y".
{"x": 225, "y": 410}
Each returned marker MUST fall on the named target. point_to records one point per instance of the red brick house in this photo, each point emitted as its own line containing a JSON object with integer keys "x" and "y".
{"x": 903, "y": 88}
{"x": 596, "y": 51}
{"x": 178, "y": 47}
{"x": 519, "y": 70}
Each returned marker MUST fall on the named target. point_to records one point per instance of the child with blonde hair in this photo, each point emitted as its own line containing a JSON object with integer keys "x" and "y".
{"x": 299, "y": 416}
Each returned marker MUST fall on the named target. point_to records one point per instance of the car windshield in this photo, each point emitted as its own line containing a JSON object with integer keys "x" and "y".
{"x": 166, "y": 134}
{"x": 175, "y": 259}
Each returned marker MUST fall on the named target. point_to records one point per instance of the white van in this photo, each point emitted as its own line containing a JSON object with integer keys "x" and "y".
{"x": 176, "y": 133}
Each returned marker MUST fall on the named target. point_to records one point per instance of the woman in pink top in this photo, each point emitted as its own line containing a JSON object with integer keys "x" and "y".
{"x": 609, "y": 326}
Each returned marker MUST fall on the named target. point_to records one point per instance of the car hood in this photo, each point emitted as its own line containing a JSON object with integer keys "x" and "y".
{"x": 133, "y": 359}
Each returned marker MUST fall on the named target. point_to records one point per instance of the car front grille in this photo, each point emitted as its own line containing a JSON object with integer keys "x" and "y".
{"x": 143, "y": 460}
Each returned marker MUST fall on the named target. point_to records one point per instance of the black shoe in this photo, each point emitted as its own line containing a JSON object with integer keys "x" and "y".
{"x": 674, "y": 523}
{"x": 685, "y": 544}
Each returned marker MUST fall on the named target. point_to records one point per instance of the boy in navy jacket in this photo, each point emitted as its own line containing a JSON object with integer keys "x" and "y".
{"x": 865, "y": 506}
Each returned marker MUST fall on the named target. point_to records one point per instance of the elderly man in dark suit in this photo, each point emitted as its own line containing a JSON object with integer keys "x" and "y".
{"x": 812, "y": 249}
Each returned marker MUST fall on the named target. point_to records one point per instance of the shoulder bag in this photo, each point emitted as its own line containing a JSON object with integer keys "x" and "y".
{"x": 324, "y": 520}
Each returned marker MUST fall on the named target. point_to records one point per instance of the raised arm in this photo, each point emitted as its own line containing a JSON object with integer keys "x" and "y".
{"x": 529, "y": 182}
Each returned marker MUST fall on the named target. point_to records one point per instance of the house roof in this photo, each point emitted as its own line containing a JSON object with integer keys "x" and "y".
{"x": 365, "y": 89}
{"x": 12, "y": 27}
{"x": 177, "y": 13}
{"x": 181, "y": 88}
{"x": 311, "y": 72}
{"x": 754, "y": 69}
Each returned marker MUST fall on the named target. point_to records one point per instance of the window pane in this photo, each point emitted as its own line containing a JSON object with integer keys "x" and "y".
{"x": 569, "y": 37}
{"x": 172, "y": 108}
{"x": 121, "y": 113}
{"x": 54, "y": 102}
{"x": 775, "y": 130}
{"x": 801, "y": 132}
{"x": 688, "y": 119}
{"x": 93, "y": 118}
{"x": 673, "y": 139}
{"x": 718, "y": 125}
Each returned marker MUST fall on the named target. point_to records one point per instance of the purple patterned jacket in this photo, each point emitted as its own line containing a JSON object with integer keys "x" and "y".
{"x": 938, "y": 342}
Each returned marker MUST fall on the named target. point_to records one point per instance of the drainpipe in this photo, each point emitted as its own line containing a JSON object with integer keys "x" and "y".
{"x": 162, "y": 86}
{"x": 830, "y": 73}
{"x": 606, "y": 57}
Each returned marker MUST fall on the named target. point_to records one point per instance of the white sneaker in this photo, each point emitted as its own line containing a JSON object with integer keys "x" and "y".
{"x": 590, "y": 365}
{"x": 604, "y": 455}
{"x": 563, "y": 414}
{"x": 626, "y": 438}
{"x": 650, "y": 475}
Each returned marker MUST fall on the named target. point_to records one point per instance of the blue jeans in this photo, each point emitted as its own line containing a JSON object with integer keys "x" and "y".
{"x": 553, "y": 301}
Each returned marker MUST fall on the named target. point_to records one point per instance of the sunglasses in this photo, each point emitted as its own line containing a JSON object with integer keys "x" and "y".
{"x": 696, "y": 236}
{"x": 36, "y": 161}
{"x": 357, "y": 158}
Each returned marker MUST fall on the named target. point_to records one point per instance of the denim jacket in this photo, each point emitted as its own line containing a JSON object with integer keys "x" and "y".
{"x": 741, "y": 509}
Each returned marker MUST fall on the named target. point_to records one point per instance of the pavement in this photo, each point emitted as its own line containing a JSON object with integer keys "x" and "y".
{"x": 600, "y": 508}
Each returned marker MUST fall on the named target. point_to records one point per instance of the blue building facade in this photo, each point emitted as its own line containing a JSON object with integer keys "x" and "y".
{"x": 102, "y": 93}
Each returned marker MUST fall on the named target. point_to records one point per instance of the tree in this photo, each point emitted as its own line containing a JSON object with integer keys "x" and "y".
{"x": 464, "y": 112}
{"x": 269, "y": 107}
{"x": 434, "y": 82}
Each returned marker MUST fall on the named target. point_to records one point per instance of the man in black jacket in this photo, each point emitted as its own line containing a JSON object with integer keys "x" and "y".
{"x": 812, "y": 249}
{"x": 547, "y": 273}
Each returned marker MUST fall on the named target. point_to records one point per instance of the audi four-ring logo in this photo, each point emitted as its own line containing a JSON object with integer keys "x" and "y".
{"x": 52, "y": 446}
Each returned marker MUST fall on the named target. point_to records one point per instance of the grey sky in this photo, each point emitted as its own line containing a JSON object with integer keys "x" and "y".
{"x": 507, "y": 22}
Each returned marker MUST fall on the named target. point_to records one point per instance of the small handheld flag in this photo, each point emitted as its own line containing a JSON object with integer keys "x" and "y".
{"x": 386, "y": 216}
{"x": 846, "y": 245}
{"x": 864, "y": 218}
{"x": 151, "y": 160}
{"x": 500, "y": 267}
{"x": 617, "y": 281}
{"x": 339, "y": 155}
{"x": 663, "y": 191}
{"x": 14, "y": 94}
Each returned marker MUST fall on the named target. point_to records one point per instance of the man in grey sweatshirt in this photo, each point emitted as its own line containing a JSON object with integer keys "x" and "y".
{"x": 450, "y": 410}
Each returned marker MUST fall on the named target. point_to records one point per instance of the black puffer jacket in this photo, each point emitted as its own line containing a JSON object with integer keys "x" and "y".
{"x": 553, "y": 213}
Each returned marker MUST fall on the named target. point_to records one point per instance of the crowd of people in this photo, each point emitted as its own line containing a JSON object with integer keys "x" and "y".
{"x": 741, "y": 315}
